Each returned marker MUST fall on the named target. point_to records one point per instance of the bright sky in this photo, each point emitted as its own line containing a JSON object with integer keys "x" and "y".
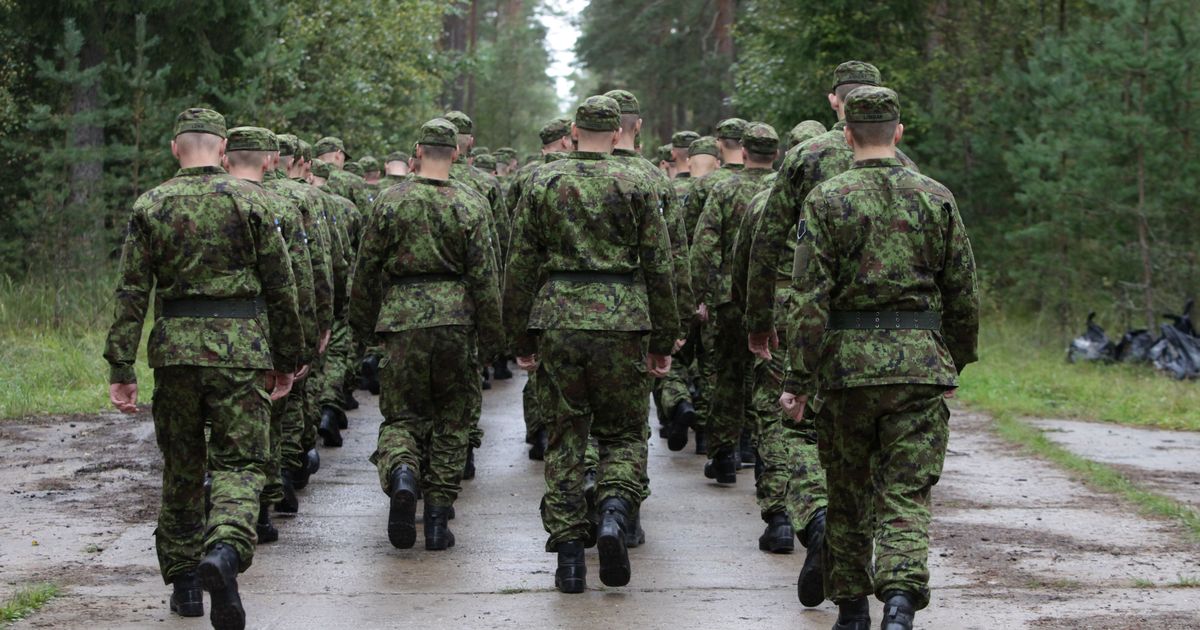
{"x": 560, "y": 40}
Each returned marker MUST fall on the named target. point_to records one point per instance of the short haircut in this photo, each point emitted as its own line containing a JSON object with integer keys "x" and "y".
{"x": 873, "y": 134}
{"x": 464, "y": 142}
{"x": 437, "y": 152}
{"x": 844, "y": 90}
{"x": 243, "y": 159}
{"x": 194, "y": 141}
{"x": 730, "y": 144}
{"x": 629, "y": 122}
{"x": 760, "y": 158}
{"x": 592, "y": 134}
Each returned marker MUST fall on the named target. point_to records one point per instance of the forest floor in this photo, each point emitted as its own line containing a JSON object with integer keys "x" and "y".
{"x": 1016, "y": 542}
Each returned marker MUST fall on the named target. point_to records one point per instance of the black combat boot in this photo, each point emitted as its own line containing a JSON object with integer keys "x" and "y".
{"x": 290, "y": 503}
{"x": 312, "y": 461}
{"x": 349, "y": 402}
{"x": 635, "y": 536}
{"x": 266, "y": 531}
{"x": 469, "y": 467}
{"x": 402, "y": 528}
{"x": 437, "y": 528}
{"x": 898, "y": 611}
{"x": 571, "y": 576}
{"x": 701, "y": 442}
{"x": 610, "y": 541}
{"x": 683, "y": 416}
{"x": 723, "y": 466}
{"x": 779, "y": 536}
{"x": 853, "y": 615}
{"x": 810, "y": 585}
{"x": 330, "y": 421}
{"x": 187, "y": 598}
{"x": 218, "y": 574}
{"x": 746, "y": 448}
{"x": 369, "y": 374}
{"x": 537, "y": 450}
{"x": 500, "y": 370}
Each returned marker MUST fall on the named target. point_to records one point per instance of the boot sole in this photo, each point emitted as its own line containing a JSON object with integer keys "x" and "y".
{"x": 778, "y": 544}
{"x": 188, "y": 610}
{"x": 677, "y": 439}
{"x": 570, "y": 585}
{"x": 266, "y": 536}
{"x": 438, "y": 545}
{"x": 614, "y": 557}
{"x": 227, "y": 612}
{"x": 810, "y": 584}
{"x": 402, "y": 528}
{"x": 331, "y": 438}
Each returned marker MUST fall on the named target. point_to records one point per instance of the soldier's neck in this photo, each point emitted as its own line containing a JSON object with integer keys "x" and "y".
{"x": 199, "y": 161}
{"x": 431, "y": 169}
{"x": 886, "y": 152}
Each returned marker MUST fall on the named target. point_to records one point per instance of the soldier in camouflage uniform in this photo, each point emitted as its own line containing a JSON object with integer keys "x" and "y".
{"x": 506, "y": 164}
{"x": 486, "y": 162}
{"x": 342, "y": 182}
{"x": 804, "y": 131}
{"x": 885, "y": 318}
{"x": 665, "y": 161}
{"x": 426, "y": 283}
{"x": 211, "y": 252}
{"x": 395, "y": 168}
{"x": 682, "y": 179}
{"x": 589, "y": 285}
{"x": 712, "y": 258}
{"x": 371, "y": 172}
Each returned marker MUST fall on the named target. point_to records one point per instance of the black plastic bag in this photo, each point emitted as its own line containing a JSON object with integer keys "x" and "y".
{"x": 1093, "y": 345}
{"x": 1135, "y": 346}
{"x": 1178, "y": 350}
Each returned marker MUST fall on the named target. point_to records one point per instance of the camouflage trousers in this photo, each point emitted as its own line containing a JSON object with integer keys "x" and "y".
{"x": 430, "y": 400}
{"x": 272, "y": 491}
{"x": 533, "y": 420}
{"x": 294, "y": 419}
{"x": 792, "y": 480}
{"x": 591, "y": 383}
{"x": 337, "y": 366}
{"x": 672, "y": 389}
{"x": 731, "y": 390}
{"x": 237, "y": 408}
{"x": 701, "y": 366}
{"x": 883, "y": 449}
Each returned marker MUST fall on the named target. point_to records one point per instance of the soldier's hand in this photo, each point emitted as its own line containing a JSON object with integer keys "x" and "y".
{"x": 702, "y": 312}
{"x": 761, "y": 344}
{"x": 528, "y": 363}
{"x": 279, "y": 383}
{"x": 949, "y": 393}
{"x": 679, "y": 344}
{"x": 658, "y": 364}
{"x": 302, "y": 372}
{"x": 793, "y": 405}
{"x": 323, "y": 344}
{"x": 123, "y": 396}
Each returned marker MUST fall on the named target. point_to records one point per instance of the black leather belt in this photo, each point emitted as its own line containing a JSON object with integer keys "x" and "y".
{"x": 592, "y": 276}
{"x": 884, "y": 320}
{"x": 229, "y": 308}
{"x": 425, "y": 278}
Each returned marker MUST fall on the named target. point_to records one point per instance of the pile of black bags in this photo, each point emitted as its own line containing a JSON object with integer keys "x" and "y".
{"x": 1176, "y": 350}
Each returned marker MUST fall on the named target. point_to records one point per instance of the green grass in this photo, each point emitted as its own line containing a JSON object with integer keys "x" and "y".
{"x": 25, "y": 602}
{"x": 1023, "y": 371}
{"x": 51, "y": 346}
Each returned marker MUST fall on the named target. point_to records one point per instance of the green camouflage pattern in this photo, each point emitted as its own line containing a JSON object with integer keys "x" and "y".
{"x": 859, "y": 72}
{"x": 882, "y": 448}
{"x": 200, "y": 120}
{"x": 304, "y": 202}
{"x": 251, "y": 139}
{"x": 462, "y": 122}
{"x": 598, "y": 113}
{"x": 487, "y": 185}
{"x": 698, "y": 191}
{"x": 589, "y": 213}
{"x": 760, "y": 138}
{"x": 351, "y": 186}
{"x": 731, "y": 129}
{"x": 204, "y": 234}
{"x": 868, "y": 104}
{"x": 439, "y": 132}
{"x": 430, "y": 396}
{"x": 554, "y": 130}
{"x": 705, "y": 145}
{"x": 805, "y": 166}
{"x": 804, "y": 131}
{"x": 353, "y": 168}
{"x": 881, "y": 237}
{"x": 717, "y": 231}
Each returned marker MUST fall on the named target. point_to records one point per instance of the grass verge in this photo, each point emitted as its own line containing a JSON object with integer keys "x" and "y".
{"x": 25, "y": 602}
{"x": 1095, "y": 474}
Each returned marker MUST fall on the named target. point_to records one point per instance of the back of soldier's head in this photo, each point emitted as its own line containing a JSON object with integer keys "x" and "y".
{"x": 872, "y": 116}
{"x": 852, "y": 74}
{"x": 199, "y": 132}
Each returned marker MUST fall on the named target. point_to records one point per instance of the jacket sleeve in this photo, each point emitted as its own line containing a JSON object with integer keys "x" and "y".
{"x": 815, "y": 267}
{"x": 132, "y": 299}
{"x": 960, "y": 296}
{"x": 522, "y": 273}
{"x": 279, "y": 289}
{"x": 366, "y": 292}
{"x": 483, "y": 283}
{"x": 706, "y": 251}
{"x": 654, "y": 252}
{"x": 769, "y": 245}
{"x": 680, "y": 253}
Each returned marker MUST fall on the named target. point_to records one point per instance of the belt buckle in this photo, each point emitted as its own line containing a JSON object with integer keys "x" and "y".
{"x": 878, "y": 317}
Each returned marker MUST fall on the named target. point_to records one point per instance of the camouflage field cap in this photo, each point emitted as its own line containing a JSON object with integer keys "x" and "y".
{"x": 321, "y": 169}
{"x": 684, "y": 139}
{"x": 477, "y": 151}
{"x": 505, "y": 154}
{"x": 200, "y": 120}
{"x": 396, "y": 156}
{"x": 598, "y": 113}
{"x": 304, "y": 151}
{"x": 731, "y": 129}
{"x": 760, "y": 138}
{"x": 804, "y": 131}
{"x": 288, "y": 144}
{"x": 859, "y": 72}
{"x": 704, "y": 145}
{"x": 329, "y": 144}
{"x": 869, "y": 103}
{"x": 251, "y": 139}
{"x": 439, "y": 132}
{"x": 353, "y": 167}
{"x": 461, "y": 121}
{"x": 555, "y": 129}
{"x": 626, "y": 99}
{"x": 664, "y": 154}
{"x": 368, "y": 163}
{"x": 486, "y": 162}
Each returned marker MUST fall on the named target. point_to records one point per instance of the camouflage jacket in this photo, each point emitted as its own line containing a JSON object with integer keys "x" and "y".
{"x": 716, "y": 232}
{"x": 489, "y": 187}
{"x": 805, "y": 166}
{"x": 350, "y": 186}
{"x": 348, "y": 217}
{"x": 740, "y": 265}
{"x": 307, "y": 203}
{"x": 672, "y": 212}
{"x": 426, "y": 260}
{"x": 590, "y": 214}
{"x": 204, "y": 235}
{"x": 520, "y": 181}
{"x": 698, "y": 194}
{"x": 881, "y": 237}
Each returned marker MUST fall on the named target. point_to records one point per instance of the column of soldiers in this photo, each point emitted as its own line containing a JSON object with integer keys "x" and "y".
{"x": 281, "y": 281}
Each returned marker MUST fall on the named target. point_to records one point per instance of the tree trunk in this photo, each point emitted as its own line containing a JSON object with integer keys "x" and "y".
{"x": 1143, "y": 222}
{"x": 87, "y": 137}
{"x": 454, "y": 40}
{"x": 724, "y": 37}
{"x": 472, "y": 37}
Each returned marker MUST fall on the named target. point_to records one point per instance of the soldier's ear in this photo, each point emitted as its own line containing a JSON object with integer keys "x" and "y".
{"x": 899, "y": 133}
{"x": 849, "y": 136}
{"x": 174, "y": 150}
{"x": 833, "y": 102}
